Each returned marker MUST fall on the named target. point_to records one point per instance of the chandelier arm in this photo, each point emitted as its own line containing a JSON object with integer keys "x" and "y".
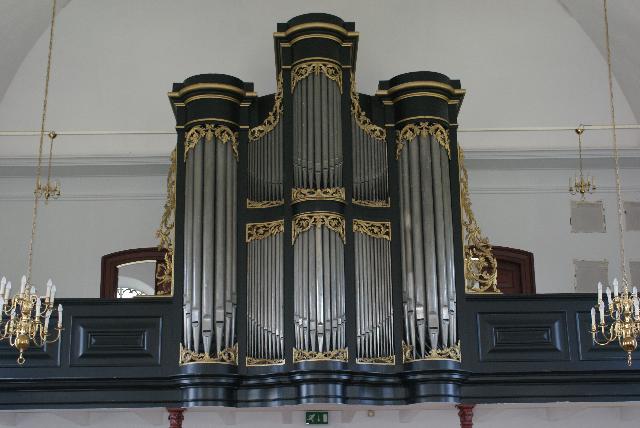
{"x": 58, "y": 334}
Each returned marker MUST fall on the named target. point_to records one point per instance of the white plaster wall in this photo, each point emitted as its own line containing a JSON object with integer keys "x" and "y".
{"x": 93, "y": 217}
{"x": 559, "y": 415}
{"x": 530, "y": 210}
{"x": 524, "y": 63}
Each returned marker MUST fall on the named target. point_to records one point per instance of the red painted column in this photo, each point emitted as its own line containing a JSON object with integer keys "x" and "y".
{"x": 465, "y": 413}
{"x": 176, "y": 416}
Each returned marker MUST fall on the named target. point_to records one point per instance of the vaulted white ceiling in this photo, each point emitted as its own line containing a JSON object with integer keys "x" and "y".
{"x": 523, "y": 63}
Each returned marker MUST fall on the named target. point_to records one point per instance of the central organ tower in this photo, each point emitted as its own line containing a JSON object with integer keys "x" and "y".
{"x": 318, "y": 227}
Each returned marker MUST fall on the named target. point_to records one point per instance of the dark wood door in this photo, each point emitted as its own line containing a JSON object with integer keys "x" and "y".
{"x": 515, "y": 270}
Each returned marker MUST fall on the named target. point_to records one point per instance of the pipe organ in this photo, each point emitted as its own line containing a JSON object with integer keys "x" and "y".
{"x": 318, "y": 225}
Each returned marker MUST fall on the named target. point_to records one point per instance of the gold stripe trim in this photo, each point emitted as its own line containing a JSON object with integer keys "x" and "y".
{"x": 374, "y": 229}
{"x": 423, "y": 117}
{"x": 327, "y": 194}
{"x": 211, "y": 119}
{"x": 317, "y": 59}
{"x": 303, "y": 222}
{"x": 201, "y": 86}
{"x": 322, "y": 25}
{"x": 422, "y": 84}
{"x": 211, "y": 96}
{"x": 273, "y": 117}
{"x": 422, "y": 94}
{"x": 315, "y": 36}
{"x": 413, "y": 130}
{"x": 257, "y": 231}
{"x": 361, "y": 118}
{"x": 264, "y": 204}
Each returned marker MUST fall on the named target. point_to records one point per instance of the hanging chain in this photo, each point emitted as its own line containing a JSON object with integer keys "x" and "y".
{"x": 615, "y": 147}
{"x": 36, "y": 192}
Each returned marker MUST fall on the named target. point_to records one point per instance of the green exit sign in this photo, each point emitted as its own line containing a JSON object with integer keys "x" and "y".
{"x": 316, "y": 418}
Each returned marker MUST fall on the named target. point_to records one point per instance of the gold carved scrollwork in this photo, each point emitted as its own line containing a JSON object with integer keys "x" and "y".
{"x": 375, "y": 229}
{"x": 327, "y": 194}
{"x": 256, "y": 231}
{"x": 264, "y": 204}
{"x": 226, "y": 356}
{"x": 253, "y": 362}
{"x": 272, "y": 118}
{"x": 413, "y": 130}
{"x": 300, "y": 355}
{"x": 164, "y": 271}
{"x": 390, "y": 359}
{"x": 302, "y": 71}
{"x": 480, "y": 266}
{"x": 361, "y": 118}
{"x": 451, "y": 353}
{"x": 222, "y": 133}
{"x": 304, "y": 222}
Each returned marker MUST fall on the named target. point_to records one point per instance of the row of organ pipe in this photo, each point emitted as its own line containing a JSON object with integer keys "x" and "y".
{"x": 210, "y": 247}
{"x": 428, "y": 282}
{"x": 370, "y": 168}
{"x": 265, "y": 167}
{"x": 319, "y": 286}
{"x": 374, "y": 306}
{"x": 317, "y": 133}
{"x": 265, "y": 296}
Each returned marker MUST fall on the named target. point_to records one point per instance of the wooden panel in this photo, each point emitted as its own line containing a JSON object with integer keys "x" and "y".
{"x": 110, "y": 341}
{"x": 589, "y": 351}
{"x": 48, "y": 356}
{"x": 540, "y": 336}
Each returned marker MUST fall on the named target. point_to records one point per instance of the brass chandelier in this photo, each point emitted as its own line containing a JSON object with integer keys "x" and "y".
{"x": 24, "y": 318}
{"x": 579, "y": 183}
{"x": 619, "y": 316}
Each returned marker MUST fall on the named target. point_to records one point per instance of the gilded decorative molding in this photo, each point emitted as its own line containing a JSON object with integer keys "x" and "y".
{"x": 328, "y": 194}
{"x": 257, "y": 362}
{"x": 300, "y": 355}
{"x": 480, "y": 265}
{"x": 164, "y": 271}
{"x": 302, "y": 71}
{"x": 413, "y": 130}
{"x": 264, "y": 204}
{"x": 272, "y": 118}
{"x": 388, "y": 360}
{"x": 451, "y": 353}
{"x": 375, "y": 229}
{"x": 373, "y": 203}
{"x": 257, "y": 231}
{"x": 361, "y": 118}
{"x": 304, "y": 222}
{"x": 222, "y": 133}
{"x": 226, "y": 356}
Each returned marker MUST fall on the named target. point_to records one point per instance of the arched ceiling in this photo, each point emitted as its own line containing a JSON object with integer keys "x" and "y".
{"x": 524, "y": 63}
{"x": 624, "y": 30}
{"x": 22, "y": 22}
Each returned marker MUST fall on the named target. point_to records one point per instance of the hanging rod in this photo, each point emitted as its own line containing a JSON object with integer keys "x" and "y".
{"x": 494, "y": 129}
